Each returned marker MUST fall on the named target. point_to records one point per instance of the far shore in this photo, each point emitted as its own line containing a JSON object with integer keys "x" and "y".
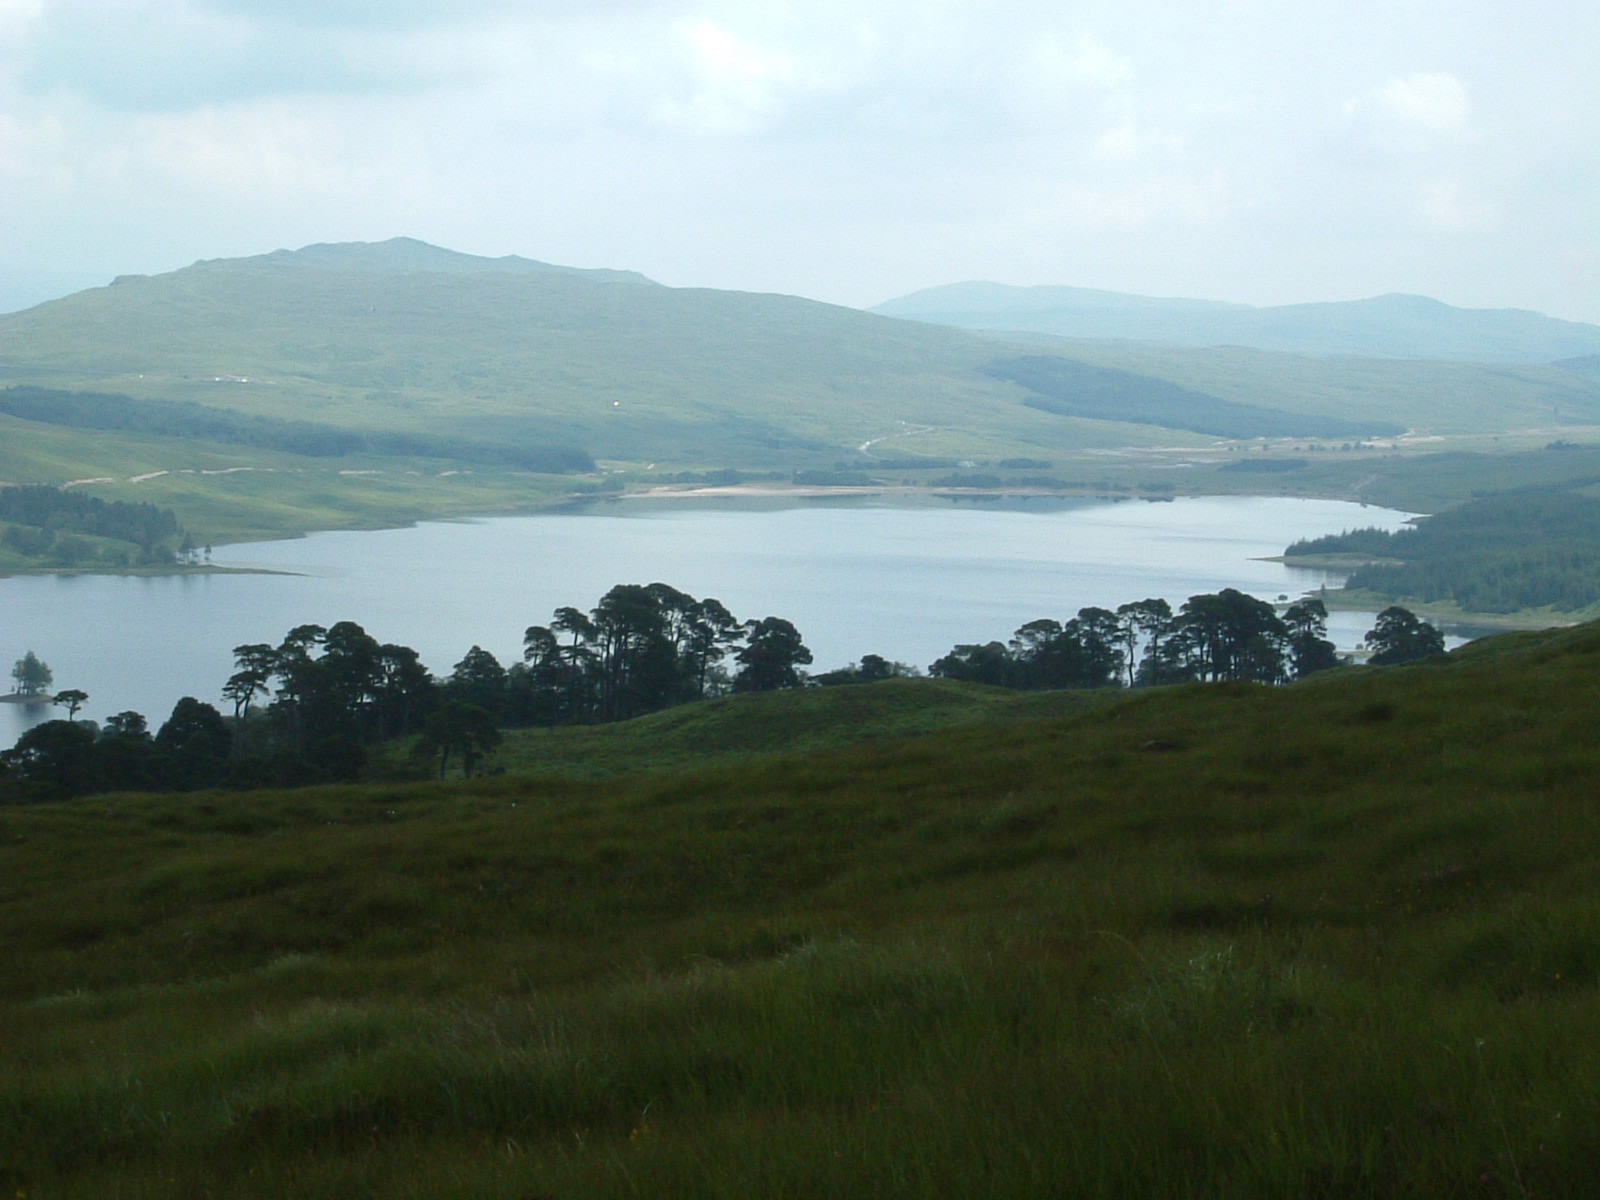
{"x": 823, "y": 491}
{"x": 11, "y": 572}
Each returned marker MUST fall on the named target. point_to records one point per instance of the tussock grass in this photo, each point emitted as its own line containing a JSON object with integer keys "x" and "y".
{"x": 1335, "y": 940}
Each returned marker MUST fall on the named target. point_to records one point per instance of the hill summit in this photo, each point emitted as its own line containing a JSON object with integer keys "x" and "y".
{"x": 405, "y": 256}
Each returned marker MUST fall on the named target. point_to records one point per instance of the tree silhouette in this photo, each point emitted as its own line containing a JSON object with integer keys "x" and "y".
{"x": 1309, "y": 648}
{"x": 460, "y": 729}
{"x": 72, "y": 700}
{"x": 1399, "y": 636}
{"x": 771, "y": 657}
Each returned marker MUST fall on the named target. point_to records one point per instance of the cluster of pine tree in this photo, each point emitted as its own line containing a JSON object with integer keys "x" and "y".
{"x": 1225, "y": 635}
{"x": 308, "y": 709}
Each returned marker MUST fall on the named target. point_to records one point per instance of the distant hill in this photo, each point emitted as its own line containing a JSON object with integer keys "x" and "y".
{"x": 403, "y": 256}
{"x": 409, "y": 337}
{"x": 400, "y": 348}
{"x": 1393, "y": 326}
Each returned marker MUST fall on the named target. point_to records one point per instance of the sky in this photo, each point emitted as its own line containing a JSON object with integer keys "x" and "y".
{"x": 1263, "y": 151}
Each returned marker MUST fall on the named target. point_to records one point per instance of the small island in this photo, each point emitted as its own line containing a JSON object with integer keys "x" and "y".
{"x": 33, "y": 678}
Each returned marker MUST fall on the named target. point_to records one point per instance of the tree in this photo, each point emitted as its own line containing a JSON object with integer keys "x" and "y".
{"x": 407, "y": 692}
{"x": 193, "y": 745}
{"x": 1399, "y": 636}
{"x": 460, "y": 729}
{"x": 1098, "y": 635}
{"x": 1148, "y": 621}
{"x": 1309, "y": 648}
{"x": 711, "y": 632}
{"x": 72, "y": 700}
{"x": 58, "y": 756}
{"x": 989, "y": 663}
{"x": 127, "y": 760}
{"x": 873, "y": 668}
{"x": 32, "y": 675}
{"x": 127, "y": 724}
{"x": 771, "y": 657}
{"x": 1227, "y": 635}
{"x": 644, "y": 647}
{"x": 480, "y": 680}
{"x": 256, "y": 663}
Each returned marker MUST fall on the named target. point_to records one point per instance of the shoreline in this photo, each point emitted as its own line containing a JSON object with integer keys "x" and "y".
{"x": 137, "y": 572}
{"x": 1446, "y": 614}
{"x": 815, "y": 491}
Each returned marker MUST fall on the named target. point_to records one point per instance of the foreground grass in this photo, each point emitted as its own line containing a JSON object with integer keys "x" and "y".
{"x": 1336, "y": 940}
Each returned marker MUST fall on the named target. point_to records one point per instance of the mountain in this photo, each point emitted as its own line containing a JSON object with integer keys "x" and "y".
{"x": 409, "y": 337}
{"x": 1393, "y": 326}
{"x": 191, "y": 386}
{"x": 403, "y": 256}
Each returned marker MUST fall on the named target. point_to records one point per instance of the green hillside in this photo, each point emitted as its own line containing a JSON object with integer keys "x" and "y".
{"x": 405, "y": 338}
{"x": 1340, "y": 939}
{"x": 396, "y": 337}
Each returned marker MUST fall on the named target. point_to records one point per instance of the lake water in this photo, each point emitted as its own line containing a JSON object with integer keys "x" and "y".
{"x": 906, "y": 580}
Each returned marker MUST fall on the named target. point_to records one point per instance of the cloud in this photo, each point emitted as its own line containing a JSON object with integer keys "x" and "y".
{"x": 1087, "y": 61}
{"x": 1446, "y": 206}
{"x": 246, "y": 151}
{"x": 1433, "y": 101}
{"x": 840, "y": 148}
{"x": 736, "y": 82}
{"x": 171, "y": 55}
{"x": 404, "y": 14}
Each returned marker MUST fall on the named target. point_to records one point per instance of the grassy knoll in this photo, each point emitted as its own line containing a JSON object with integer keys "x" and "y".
{"x": 741, "y": 727}
{"x": 1334, "y": 940}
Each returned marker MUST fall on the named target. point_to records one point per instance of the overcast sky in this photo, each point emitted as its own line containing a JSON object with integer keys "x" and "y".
{"x": 1268, "y": 151}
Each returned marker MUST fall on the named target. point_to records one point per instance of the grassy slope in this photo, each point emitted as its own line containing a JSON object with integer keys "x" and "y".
{"x": 736, "y": 728}
{"x": 629, "y": 370}
{"x": 1336, "y": 940}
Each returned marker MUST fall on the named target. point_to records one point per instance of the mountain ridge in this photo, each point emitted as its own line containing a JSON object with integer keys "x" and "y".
{"x": 398, "y": 256}
{"x": 1393, "y": 325}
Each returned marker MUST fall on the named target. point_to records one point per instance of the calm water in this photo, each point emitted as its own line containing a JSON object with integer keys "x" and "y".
{"x": 906, "y": 581}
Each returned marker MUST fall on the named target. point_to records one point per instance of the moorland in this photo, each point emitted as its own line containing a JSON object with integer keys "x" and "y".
{"x": 1339, "y": 938}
